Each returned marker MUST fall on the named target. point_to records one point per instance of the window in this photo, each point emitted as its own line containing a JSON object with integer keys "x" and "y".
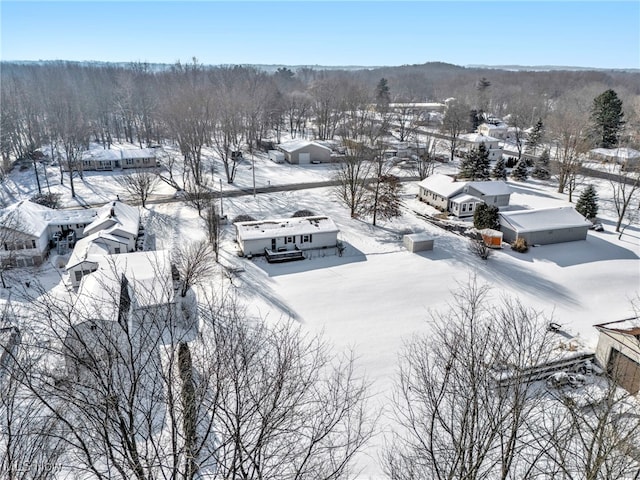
{"x": 78, "y": 276}
{"x": 288, "y": 239}
{"x": 306, "y": 238}
{"x": 33, "y": 244}
{"x": 464, "y": 207}
{"x": 116, "y": 250}
{"x": 129, "y": 161}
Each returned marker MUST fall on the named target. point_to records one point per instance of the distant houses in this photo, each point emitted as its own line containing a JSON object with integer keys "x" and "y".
{"x": 114, "y": 159}
{"x": 472, "y": 141}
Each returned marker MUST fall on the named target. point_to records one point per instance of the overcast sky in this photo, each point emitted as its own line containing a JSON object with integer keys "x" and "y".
{"x": 599, "y": 34}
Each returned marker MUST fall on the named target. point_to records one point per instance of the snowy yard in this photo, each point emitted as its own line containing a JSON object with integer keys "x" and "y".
{"x": 377, "y": 295}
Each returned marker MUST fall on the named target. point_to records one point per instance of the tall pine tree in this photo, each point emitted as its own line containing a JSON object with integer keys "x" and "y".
{"x": 383, "y": 95}
{"x": 607, "y": 116}
{"x": 541, "y": 166}
{"x": 499, "y": 171}
{"x": 587, "y": 204}
{"x": 535, "y": 137}
{"x": 519, "y": 172}
{"x": 475, "y": 166}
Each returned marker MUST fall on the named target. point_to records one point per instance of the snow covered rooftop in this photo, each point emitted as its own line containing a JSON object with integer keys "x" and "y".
{"x": 285, "y": 227}
{"x": 443, "y": 185}
{"x": 26, "y": 217}
{"x": 115, "y": 216}
{"x": 491, "y": 187}
{"x": 622, "y": 152}
{"x": 477, "y": 138}
{"x": 148, "y": 275}
{"x": 629, "y": 326}
{"x": 465, "y": 197}
{"x": 544, "y": 218}
{"x": 115, "y": 154}
{"x": 298, "y": 144}
{"x": 92, "y": 248}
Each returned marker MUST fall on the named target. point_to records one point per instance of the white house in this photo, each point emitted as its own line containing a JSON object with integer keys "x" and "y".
{"x": 472, "y": 141}
{"x": 622, "y": 155}
{"x": 618, "y": 352}
{"x": 119, "y": 220}
{"x": 544, "y": 226}
{"x": 462, "y": 198}
{"x": 304, "y": 152}
{"x": 23, "y": 234}
{"x": 284, "y": 235}
{"x": 111, "y": 159}
{"x": 130, "y": 297}
{"x": 88, "y": 252}
{"x": 498, "y": 131}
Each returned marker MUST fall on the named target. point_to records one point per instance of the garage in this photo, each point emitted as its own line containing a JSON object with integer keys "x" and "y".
{"x": 624, "y": 371}
{"x": 544, "y": 226}
{"x": 618, "y": 352}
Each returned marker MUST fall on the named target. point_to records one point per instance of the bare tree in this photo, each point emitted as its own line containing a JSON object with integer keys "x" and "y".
{"x": 567, "y": 131}
{"x": 454, "y": 123}
{"x": 139, "y": 184}
{"x": 352, "y": 174}
{"x": 212, "y": 227}
{"x": 462, "y": 404}
{"x": 195, "y": 263}
{"x": 625, "y": 184}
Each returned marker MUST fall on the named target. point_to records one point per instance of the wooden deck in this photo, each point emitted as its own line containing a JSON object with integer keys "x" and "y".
{"x": 286, "y": 256}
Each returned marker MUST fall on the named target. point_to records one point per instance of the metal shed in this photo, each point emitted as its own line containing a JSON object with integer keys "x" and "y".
{"x": 544, "y": 226}
{"x": 418, "y": 242}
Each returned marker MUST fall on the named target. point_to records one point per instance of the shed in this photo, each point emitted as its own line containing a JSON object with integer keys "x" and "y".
{"x": 544, "y": 226}
{"x": 491, "y": 238}
{"x": 418, "y": 242}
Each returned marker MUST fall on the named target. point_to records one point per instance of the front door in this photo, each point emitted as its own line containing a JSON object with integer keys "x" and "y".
{"x": 273, "y": 244}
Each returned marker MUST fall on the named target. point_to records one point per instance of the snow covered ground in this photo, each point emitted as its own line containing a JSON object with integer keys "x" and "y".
{"x": 377, "y": 295}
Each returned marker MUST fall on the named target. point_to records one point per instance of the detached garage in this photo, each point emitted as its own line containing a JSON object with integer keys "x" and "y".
{"x": 544, "y": 226}
{"x": 302, "y": 152}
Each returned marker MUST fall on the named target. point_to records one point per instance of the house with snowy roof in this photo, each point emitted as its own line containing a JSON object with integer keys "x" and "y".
{"x": 544, "y": 226}
{"x": 618, "y": 352}
{"x": 111, "y": 159}
{"x": 130, "y": 297}
{"x": 622, "y": 156}
{"x": 461, "y": 198}
{"x": 270, "y": 237}
{"x": 472, "y": 141}
{"x": 498, "y": 131}
{"x": 300, "y": 152}
{"x": 119, "y": 220}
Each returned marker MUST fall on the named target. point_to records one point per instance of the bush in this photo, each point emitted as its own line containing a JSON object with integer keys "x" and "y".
{"x": 243, "y": 218}
{"x": 479, "y": 248}
{"x": 51, "y": 200}
{"x": 520, "y": 245}
{"x": 304, "y": 213}
{"x": 511, "y": 162}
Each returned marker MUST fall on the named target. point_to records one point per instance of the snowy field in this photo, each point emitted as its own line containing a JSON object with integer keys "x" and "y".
{"x": 377, "y": 295}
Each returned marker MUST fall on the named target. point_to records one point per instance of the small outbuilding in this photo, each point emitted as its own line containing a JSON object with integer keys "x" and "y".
{"x": 418, "y": 242}
{"x": 301, "y": 152}
{"x": 544, "y": 226}
{"x": 276, "y": 156}
{"x": 618, "y": 352}
{"x": 491, "y": 238}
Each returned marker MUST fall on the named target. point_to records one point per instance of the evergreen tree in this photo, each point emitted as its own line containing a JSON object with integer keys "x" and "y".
{"x": 519, "y": 172}
{"x": 486, "y": 216}
{"x": 499, "y": 171}
{"x": 475, "y": 119}
{"x": 535, "y": 137}
{"x": 607, "y": 114}
{"x": 587, "y": 204}
{"x": 541, "y": 167}
{"x": 383, "y": 94}
{"x": 475, "y": 166}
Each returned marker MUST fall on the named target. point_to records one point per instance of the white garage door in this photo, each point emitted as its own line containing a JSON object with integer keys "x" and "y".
{"x": 304, "y": 158}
